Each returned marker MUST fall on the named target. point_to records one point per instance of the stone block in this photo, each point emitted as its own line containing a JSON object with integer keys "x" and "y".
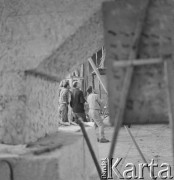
{"x": 69, "y": 160}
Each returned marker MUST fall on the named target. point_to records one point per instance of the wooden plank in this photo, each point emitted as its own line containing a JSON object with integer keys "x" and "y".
{"x": 99, "y": 87}
{"x": 70, "y": 81}
{"x": 140, "y": 62}
{"x": 169, "y": 80}
{"x": 98, "y": 74}
{"x": 119, "y": 12}
{"x": 86, "y": 73}
{"x": 102, "y": 59}
{"x": 82, "y": 75}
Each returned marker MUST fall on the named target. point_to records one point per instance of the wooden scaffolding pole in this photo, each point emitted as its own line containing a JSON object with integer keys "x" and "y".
{"x": 128, "y": 78}
{"x": 169, "y": 80}
{"x": 97, "y": 74}
{"x": 137, "y": 62}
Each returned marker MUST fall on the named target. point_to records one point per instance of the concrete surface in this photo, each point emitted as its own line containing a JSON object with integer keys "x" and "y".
{"x": 155, "y": 142}
{"x": 68, "y": 159}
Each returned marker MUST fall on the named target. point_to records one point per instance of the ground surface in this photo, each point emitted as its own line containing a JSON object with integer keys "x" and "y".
{"x": 154, "y": 141}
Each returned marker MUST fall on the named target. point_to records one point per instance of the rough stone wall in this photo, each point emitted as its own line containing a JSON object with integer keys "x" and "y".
{"x": 30, "y": 31}
{"x": 27, "y": 117}
{"x": 12, "y": 106}
{"x": 42, "y": 106}
{"x": 76, "y": 49}
{"x": 147, "y": 98}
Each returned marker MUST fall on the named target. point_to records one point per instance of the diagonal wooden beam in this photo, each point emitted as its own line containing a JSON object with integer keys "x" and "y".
{"x": 98, "y": 74}
{"x": 117, "y": 121}
{"x": 90, "y": 149}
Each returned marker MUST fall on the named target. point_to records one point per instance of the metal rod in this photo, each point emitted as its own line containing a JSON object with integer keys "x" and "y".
{"x": 136, "y": 145}
{"x": 90, "y": 148}
{"x": 140, "y": 62}
{"x": 139, "y": 150}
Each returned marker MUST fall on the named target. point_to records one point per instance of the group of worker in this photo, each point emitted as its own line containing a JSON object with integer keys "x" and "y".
{"x": 75, "y": 98}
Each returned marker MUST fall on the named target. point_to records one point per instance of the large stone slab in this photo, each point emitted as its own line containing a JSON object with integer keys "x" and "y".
{"x": 68, "y": 159}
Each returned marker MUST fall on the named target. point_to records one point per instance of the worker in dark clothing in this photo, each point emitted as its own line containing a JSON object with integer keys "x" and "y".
{"x": 77, "y": 103}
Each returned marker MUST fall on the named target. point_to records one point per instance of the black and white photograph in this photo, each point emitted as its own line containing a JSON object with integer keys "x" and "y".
{"x": 86, "y": 89}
